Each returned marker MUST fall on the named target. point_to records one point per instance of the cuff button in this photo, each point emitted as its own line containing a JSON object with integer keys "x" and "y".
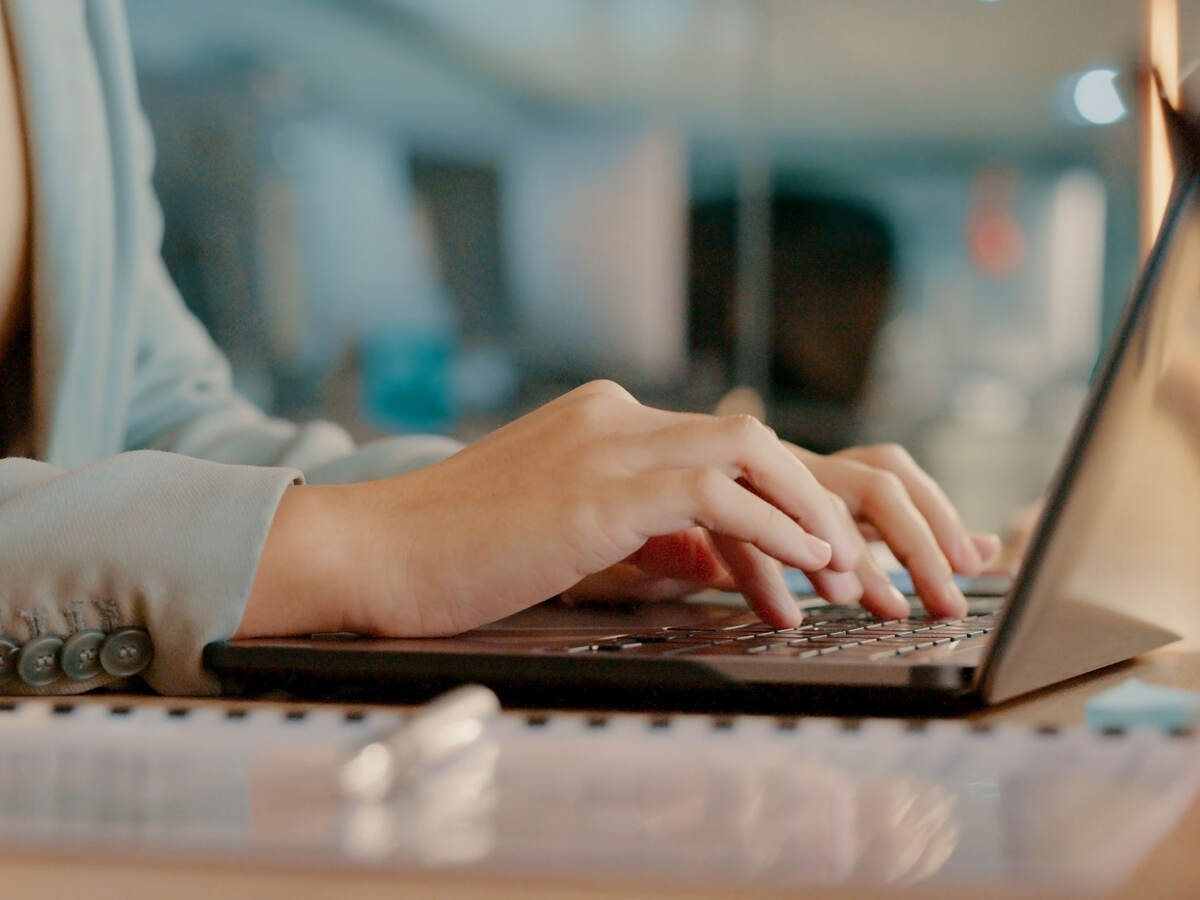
{"x": 126, "y": 652}
{"x": 8, "y": 657}
{"x": 81, "y": 654}
{"x": 38, "y": 661}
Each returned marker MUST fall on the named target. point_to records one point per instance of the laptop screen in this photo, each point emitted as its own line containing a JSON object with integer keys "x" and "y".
{"x": 1114, "y": 569}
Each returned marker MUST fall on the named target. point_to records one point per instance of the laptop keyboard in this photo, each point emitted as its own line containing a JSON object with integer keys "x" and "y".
{"x": 844, "y": 634}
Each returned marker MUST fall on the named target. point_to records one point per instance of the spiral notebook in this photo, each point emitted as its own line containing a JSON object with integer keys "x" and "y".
{"x": 683, "y": 799}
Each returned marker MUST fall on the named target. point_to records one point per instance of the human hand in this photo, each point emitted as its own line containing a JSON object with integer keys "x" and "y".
{"x": 893, "y": 499}
{"x": 889, "y": 497}
{"x": 584, "y": 483}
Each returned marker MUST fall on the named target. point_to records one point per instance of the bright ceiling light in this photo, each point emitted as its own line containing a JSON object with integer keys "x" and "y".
{"x": 1096, "y": 97}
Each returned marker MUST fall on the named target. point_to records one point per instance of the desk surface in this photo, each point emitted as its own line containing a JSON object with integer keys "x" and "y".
{"x": 1172, "y": 870}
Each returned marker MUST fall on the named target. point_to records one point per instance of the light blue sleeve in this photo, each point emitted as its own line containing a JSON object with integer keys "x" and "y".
{"x": 171, "y": 542}
{"x": 168, "y": 534}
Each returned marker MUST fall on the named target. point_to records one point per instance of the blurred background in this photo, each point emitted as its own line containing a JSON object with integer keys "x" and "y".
{"x": 911, "y": 221}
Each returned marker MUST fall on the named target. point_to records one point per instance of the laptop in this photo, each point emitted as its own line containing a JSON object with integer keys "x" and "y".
{"x": 1113, "y": 570}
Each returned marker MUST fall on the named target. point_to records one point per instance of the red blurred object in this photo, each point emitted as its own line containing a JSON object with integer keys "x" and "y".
{"x": 995, "y": 240}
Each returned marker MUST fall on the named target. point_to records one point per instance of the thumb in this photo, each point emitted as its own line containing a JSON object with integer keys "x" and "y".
{"x": 684, "y": 555}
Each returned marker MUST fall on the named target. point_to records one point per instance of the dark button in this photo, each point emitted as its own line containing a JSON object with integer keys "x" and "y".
{"x": 8, "y": 657}
{"x": 37, "y": 663}
{"x": 126, "y": 652}
{"x": 81, "y": 654}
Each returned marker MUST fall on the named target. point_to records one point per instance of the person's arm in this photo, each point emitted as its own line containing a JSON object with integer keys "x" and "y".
{"x": 164, "y": 541}
{"x": 569, "y": 490}
{"x": 149, "y": 540}
{"x": 576, "y": 493}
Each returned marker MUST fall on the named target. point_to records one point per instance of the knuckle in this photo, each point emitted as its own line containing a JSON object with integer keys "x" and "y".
{"x": 743, "y": 424}
{"x": 892, "y": 454}
{"x": 747, "y": 430}
{"x": 605, "y": 387}
{"x": 885, "y": 486}
{"x": 705, "y": 486}
{"x": 588, "y": 411}
{"x": 840, "y": 507}
{"x": 855, "y": 554}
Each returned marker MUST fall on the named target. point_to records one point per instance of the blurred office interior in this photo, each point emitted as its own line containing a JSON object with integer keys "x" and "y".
{"x": 908, "y": 221}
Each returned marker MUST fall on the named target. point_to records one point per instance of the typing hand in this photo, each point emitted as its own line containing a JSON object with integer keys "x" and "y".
{"x": 585, "y": 483}
{"x": 884, "y": 492}
{"x": 893, "y": 499}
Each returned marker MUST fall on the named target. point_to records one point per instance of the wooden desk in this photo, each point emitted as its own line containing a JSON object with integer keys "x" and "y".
{"x": 1171, "y": 871}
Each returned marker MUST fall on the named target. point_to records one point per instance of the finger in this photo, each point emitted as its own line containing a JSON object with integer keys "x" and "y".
{"x": 869, "y": 532}
{"x": 882, "y": 499}
{"x": 760, "y": 581}
{"x": 678, "y": 499}
{"x": 742, "y": 447}
{"x": 868, "y": 585}
{"x": 838, "y": 588}
{"x": 879, "y": 595}
{"x": 989, "y": 546}
{"x": 944, "y": 521}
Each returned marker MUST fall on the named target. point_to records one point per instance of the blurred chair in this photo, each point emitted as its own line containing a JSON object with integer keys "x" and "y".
{"x": 832, "y": 272}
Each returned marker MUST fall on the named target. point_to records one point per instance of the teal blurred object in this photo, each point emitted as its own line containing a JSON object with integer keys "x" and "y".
{"x": 1136, "y": 704}
{"x": 407, "y": 379}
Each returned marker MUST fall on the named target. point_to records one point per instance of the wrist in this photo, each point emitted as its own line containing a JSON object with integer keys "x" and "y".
{"x": 306, "y": 570}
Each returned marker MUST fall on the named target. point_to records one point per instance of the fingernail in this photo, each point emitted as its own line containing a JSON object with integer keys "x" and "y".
{"x": 796, "y": 611}
{"x": 821, "y": 550}
{"x": 969, "y": 560}
{"x": 789, "y": 610}
{"x": 901, "y": 601}
{"x": 988, "y": 546}
{"x": 954, "y": 598}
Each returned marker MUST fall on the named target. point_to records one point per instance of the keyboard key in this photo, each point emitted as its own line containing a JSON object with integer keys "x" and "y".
{"x": 867, "y": 653}
{"x": 828, "y": 644}
{"x": 896, "y": 642}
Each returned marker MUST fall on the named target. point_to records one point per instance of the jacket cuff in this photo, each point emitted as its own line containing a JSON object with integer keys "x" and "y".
{"x": 160, "y": 541}
{"x": 202, "y": 580}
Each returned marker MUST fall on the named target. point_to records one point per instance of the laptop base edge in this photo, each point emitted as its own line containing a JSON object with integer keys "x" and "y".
{"x": 692, "y": 688}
